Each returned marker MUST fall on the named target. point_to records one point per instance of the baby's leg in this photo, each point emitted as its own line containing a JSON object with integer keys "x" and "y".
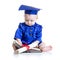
{"x": 15, "y": 47}
{"x": 44, "y": 48}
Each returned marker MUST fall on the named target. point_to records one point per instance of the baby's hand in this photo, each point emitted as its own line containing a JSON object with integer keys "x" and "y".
{"x": 19, "y": 42}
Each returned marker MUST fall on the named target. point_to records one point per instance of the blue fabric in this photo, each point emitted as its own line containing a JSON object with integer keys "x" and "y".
{"x": 31, "y": 12}
{"x": 29, "y": 9}
{"x": 29, "y": 34}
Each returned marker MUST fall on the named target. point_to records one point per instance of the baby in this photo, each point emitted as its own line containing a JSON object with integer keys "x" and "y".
{"x": 29, "y": 32}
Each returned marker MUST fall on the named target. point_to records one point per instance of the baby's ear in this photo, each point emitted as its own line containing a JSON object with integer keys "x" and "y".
{"x": 24, "y": 15}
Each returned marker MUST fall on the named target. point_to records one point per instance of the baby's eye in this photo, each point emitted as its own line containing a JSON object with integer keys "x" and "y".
{"x": 31, "y": 20}
{"x": 26, "y": 20}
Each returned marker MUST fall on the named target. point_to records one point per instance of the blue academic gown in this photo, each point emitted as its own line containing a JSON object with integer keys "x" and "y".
{"x": 28, "y": 34}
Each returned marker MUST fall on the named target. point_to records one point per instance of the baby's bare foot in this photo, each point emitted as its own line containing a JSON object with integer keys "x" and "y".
{"x": 47, "y": 48}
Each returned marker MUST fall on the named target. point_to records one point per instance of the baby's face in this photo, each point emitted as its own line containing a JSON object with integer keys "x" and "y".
{"x": 30, "y": 19}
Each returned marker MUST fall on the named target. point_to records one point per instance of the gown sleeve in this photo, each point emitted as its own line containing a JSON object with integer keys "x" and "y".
{"x": 18, "y": 33}
{"x": 39, "y": 34}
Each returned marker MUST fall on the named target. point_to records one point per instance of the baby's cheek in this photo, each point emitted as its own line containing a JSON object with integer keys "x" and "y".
{"x": 26, "y": 22}
{"x": 33, "y": 23}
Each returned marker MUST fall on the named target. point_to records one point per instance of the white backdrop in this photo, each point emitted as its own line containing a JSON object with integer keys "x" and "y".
{"x": 48, "y": 18}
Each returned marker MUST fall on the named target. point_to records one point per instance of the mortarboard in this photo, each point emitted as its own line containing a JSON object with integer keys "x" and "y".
{"x": 29, "y": 9}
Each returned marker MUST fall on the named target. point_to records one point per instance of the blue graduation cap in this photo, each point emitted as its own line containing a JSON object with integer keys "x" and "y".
{"x": 29, "y": 9}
